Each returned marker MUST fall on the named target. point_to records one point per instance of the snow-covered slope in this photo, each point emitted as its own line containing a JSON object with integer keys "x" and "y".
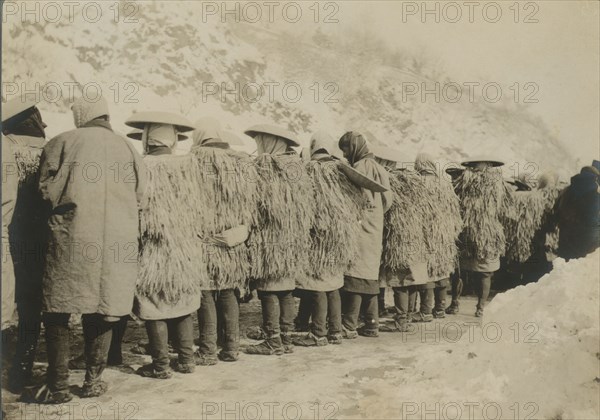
{"x": 246, "y": 73}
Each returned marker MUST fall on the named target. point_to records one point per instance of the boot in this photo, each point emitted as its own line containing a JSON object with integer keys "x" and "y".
{"x": 228, "y": 356}
{"x": 421, "y": 317}
{"x": 286, "y": 340}
{"x": 43, "y": 395}
{"x": 368, "y": 332}
{"x": 184, "y": 367}
{"x": 453, "y": 308}
{"x": 202, "y": 359}
{"x": 310, "y": 340}
{"x": 269, "y": 347}
{"x": 93, "y": 389}
{"x": 148, "y": 371}
{"x": 256, "y": 333}
{"x": 335, "y": 338}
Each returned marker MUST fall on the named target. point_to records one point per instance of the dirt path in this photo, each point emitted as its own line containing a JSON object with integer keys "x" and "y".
{"x": 362, "y": 378}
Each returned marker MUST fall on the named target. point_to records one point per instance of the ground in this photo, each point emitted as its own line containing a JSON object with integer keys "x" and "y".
{"x": 351, "y": 380}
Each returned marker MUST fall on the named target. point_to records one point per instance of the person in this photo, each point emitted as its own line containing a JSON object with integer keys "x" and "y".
{"x": 361, "y": 281}
{"x": 10, "y": 185}
{"x": 276, "y": 295}
{"x": 219, "y": 310}
{"x": 162, "y": 317}
{"x": 320, "y": 297}
{"x": 23, "y": 127}
{"x": 476, "y": 271}
{"x": 578, "y": 215}
{"x": 92, "y": 209}
{"x": 389, "y": 159}
{"x": 432, "y": 295}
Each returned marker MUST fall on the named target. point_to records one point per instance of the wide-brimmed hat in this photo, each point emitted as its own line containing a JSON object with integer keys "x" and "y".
{"x": 140, "y": 119}
{"x": 359, "y": 179}
{"x": 137, "y": 135}
{"x": 275, "y": 131}
{"x": 482, "y": 159}
{"x": 16, "y": 106}
{"x": 386, "y": 153}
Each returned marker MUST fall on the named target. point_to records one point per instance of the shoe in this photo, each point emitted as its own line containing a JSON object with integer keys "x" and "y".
{"x": 439, "y": 313}
{"x": 368, "y": 332}
{"x": 400, "y": 324}
{"x": 421, "y": 317}
{"x": 256, "y": 333}
{"x": 453, "y": 308}
{"x": 78, "y": 363}
{"x": 269, "y": 347}
{"x": 348, "y": 334}
{"x": 184, "y": 367}
{"x": 228, "y": 356}
{"x": 288, "y": 344}
{"x": 93, "y": 389}
{"x": 141, "y": 348}
{"x": 479, "y": 312}
{"x": 43, "y": 395}
{"x": 310, "y": 340}
{"x": 148, "y": 371}
{"x": 335, "y": 338}
{"x": 204, "y": 359}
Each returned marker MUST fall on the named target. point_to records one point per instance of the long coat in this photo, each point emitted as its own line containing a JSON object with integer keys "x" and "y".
{"x": 578, "y": 209}
{"x": 94, "y": 181}
{"x": 154, "y": 307}
{"x": 481, "y": 266}
{"x": 366, "y": 265}
{"x": 27, "y": 231}
{"x": 10, "y": 184}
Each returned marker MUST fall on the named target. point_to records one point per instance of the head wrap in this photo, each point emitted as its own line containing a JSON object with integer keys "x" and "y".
{"x": 164, "y": 135}
{"x": 85, "y": 111}
{"x": 270, "y": 144}
{"x": 208, "y": 131}
{"x": 356, "y": 145}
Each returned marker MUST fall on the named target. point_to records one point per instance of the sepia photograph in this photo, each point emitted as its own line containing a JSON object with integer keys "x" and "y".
{"x": 300, "y": 210}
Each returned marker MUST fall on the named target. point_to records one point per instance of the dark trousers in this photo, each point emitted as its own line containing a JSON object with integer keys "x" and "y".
{"x": 302, "y": 321}
{"x": 182, "y": 329}
{"x": 381, "y": 298}
{"x": 481, "y": 281}
{"x": 115, "y": 354}
{"x": 278, "y": 312}
{"x": 426, "y": 300}
{"x": 219, "y": 311}
{"x": 325, "y": 308}
{"x": 28, "y": 334}
{"x": 97, "y": 334}
{"x": 456, "y": 285}
{"x": 351, "y": 305}
{"x": 405, "y": 300}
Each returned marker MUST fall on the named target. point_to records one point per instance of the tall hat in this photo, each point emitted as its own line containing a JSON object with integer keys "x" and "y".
{"x": 286, "y": 135}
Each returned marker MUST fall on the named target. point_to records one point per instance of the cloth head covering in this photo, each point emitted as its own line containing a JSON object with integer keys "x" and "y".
{"x": 159, "y": 135}
{"x": 270, "y": 144}
{"x": 26, "y": 123}
{"x": 85, "y": 111}
{"x": 424, "y": 164}
{"x": 208, "y": 132}
{"x": 321, "y": 142}
{"x": 356, "y": 145}
{"x": 548, "y": 180}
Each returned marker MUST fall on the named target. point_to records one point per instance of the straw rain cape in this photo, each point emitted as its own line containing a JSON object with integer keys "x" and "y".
{"x": 226, "y": 197}
{"x": 403, "y": 234}
{"x": 171, "y": 259}
{"x": 281, "y": 241}
{"x": 482, "y": 200}
{"x": 442, "y": 226}
{"x": 338, "y": 211}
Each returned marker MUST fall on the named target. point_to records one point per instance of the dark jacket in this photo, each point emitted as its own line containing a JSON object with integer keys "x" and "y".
{"x": 578, "y": 210}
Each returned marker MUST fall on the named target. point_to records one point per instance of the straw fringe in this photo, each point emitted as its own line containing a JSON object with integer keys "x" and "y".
{"x": 281, "y": 241}
{"x": 28, "y": 164}
{"x": 422, "y": 225}
{"x": 171, "y": 259}
{"x": 338, "y": 210}
{"x": 227, "y": 196}
{"x": 483, "y": 198}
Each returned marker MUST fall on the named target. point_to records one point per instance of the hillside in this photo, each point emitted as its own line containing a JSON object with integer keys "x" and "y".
{"x": 171, "y": 60}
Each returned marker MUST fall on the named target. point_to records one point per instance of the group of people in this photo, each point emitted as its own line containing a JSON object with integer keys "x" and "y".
{"x": 89, "y": 189}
